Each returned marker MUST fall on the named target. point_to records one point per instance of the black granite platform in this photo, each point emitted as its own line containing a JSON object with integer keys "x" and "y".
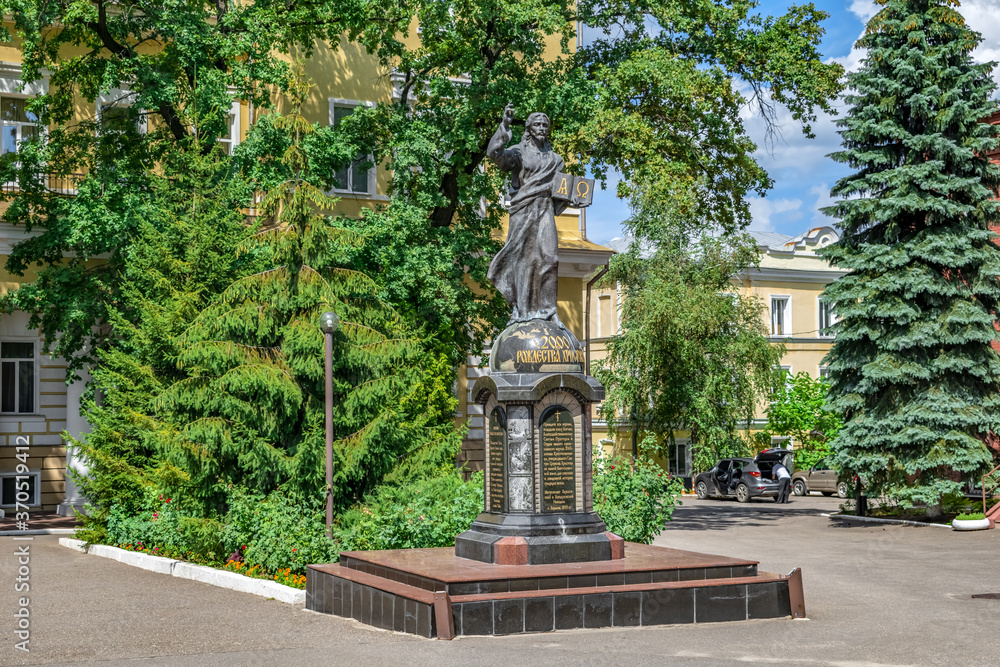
{"x": 433, "y": 593}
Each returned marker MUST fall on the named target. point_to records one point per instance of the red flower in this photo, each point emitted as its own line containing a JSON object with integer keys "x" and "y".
{"x": 612, "y": 467}
{"x": 294, "y": 550}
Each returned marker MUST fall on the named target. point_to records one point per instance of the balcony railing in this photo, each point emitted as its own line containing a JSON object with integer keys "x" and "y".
{"x": 65, "y": 184}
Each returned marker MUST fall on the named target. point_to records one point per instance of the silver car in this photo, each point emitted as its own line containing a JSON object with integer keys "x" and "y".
{"x": 821, "y": 477}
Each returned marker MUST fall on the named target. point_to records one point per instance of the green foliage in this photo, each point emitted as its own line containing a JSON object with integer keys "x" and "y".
{"x": 175, "y": 67}
{"x": 250, "y": 411}
{"x": 635, "y": 499}
{"x": 159, "y": 523}
{"x": 692, "y": 355}
{"x": 975, "y": 516}
{"x": 278, "y": 531}
{"x": 799, "y": 410}
{"x": 654, "y": 98}
{"x": 428, "y": 513}
{"x": 184, "y": 252}
{"x": 706, "y": 453}
{"x": 913, "y": 374}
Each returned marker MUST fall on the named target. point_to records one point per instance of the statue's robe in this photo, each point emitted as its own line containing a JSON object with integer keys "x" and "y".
{"x": 525, "y": 271}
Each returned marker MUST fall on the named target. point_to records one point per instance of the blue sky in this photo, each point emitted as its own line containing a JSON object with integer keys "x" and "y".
{"x": 801, "y": 171}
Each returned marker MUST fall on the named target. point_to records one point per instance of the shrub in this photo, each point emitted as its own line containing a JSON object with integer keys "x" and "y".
{"x": 279, "y": 531}
{"x": 159, "y": 523}
{"x": 426, "y": 513}
{"x": 975, "y": 516}
{"x": 635, "y": 500}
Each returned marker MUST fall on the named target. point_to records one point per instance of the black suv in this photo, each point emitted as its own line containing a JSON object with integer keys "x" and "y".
{"x": 743, "y": 478}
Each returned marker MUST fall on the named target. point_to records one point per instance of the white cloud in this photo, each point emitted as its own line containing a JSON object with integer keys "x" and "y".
{"x": 863, "y": 9}
{"x": 983, "y": 16}
{"x": 763, "y": 211}
{"x": 823, "y": 199}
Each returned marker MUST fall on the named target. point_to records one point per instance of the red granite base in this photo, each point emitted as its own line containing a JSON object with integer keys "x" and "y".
{"x": 433, "y": 593}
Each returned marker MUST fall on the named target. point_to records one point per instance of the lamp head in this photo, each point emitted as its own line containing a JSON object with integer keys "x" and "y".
{"x": 329, "y": 322}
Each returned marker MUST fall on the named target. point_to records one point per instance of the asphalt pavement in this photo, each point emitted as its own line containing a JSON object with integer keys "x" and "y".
{"x": 875, "y": 595}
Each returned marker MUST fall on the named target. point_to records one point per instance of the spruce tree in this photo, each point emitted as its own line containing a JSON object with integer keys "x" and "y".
{"x": 250, "y": 411}
{"x": 912, "y": 370}
{"x": 183, "y": 254}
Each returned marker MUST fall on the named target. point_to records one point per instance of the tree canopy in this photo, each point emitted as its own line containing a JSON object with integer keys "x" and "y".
{"x": 651, "y": 94}
{"x": 654, "y": 95}
{"x": 693, "y": 354}
{"x": 912, "y": 370}
{"x": 799, "y": 410}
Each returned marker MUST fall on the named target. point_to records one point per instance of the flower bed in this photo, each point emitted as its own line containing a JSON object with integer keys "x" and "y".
{"x": 285, "y": 577}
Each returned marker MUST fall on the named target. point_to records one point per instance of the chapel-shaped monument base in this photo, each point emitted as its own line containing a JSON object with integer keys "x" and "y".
{"x": 537, "y": 403}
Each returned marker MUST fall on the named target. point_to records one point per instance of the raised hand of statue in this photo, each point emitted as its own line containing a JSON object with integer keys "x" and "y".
{"x": 508, "y": 116}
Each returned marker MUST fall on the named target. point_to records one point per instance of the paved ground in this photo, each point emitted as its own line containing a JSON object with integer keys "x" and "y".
{"x": 874, "y": 595}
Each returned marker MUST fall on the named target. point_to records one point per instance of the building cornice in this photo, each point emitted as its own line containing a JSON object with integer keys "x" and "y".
{"x": 794, "y": 275}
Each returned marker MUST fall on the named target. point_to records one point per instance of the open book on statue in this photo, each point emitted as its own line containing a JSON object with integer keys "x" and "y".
{"x": 576, "y": 190}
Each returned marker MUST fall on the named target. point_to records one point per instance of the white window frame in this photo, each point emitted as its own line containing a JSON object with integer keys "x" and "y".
{"x": 372, "y": 171}
{"x": 786, "y": 314}
{"x": 832, "y": 314}
{"x": 12, "y": 85}
{"x": 39, "y": 131}
{"x": 234, "y": 130}
{"x": 823, "y": 372}
{"x": 12, "y": 476}
{"x": 35, "y": 372}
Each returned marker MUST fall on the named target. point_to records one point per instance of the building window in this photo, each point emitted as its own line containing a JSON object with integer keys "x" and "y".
{"x": 227, "y": 139}
{"x": 353, "y": 177}
{"x": 19, "y": 124}
{"x": 827, "y": 318}
{"x": 679, "y": 459}
{"x": 118, "y": 118}
{"x": 824, "y": 372}
{"x": 28, "y": 487}
{"x": 781, "y": 316}
{"x": 17, "y": 377}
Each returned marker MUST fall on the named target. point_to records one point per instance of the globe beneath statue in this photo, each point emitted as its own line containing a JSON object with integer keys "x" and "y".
{"x": 537, "y": 346}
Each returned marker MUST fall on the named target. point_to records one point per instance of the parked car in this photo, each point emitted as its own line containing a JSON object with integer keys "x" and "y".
{"x": 743, "y": 478}
{"x": 821, "y": 477}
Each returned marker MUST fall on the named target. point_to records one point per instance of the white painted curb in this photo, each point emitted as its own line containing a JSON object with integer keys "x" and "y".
{"x": 875, "y": 519}
{"x": 238, "y": 582}
{"x": 201, "y": 573}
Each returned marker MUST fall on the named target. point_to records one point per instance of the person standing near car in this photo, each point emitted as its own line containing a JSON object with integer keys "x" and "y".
{"x": 780, "y": 473}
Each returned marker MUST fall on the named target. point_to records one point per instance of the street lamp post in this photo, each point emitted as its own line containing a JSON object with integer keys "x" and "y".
{"x": 329, "y": 322}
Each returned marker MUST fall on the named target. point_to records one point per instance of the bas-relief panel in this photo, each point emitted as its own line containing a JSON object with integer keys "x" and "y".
{"x": 520, "y": 459}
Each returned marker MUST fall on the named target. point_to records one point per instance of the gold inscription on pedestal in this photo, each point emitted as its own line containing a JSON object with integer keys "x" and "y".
{"x": 498, "y": 445}
{"x": 558, "y": 470}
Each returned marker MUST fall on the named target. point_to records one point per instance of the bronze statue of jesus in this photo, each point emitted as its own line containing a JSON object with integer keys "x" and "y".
{"x": 525, "y": 270}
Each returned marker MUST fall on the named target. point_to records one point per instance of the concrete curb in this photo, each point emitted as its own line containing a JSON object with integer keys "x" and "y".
{"x": 875, "y": 519}
{"x": 183, "y": 570}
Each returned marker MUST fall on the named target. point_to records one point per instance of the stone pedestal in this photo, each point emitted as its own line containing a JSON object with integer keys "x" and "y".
{"x": 539, "y": 486}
